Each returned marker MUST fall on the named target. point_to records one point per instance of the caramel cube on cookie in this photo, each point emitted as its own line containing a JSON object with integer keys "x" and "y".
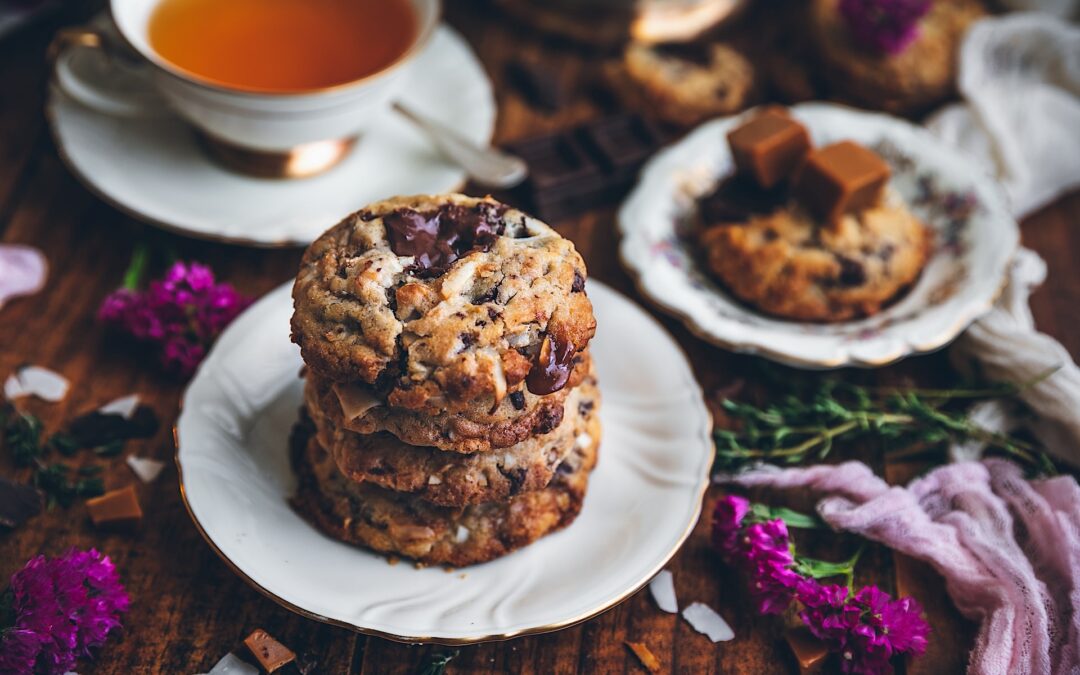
{"x": 841, "y": 178}
{"x": 769, "y": 147}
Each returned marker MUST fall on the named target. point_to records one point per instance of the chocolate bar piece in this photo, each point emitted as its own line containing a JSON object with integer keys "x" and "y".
{"x": 116, "y": 508}
{"x": 770, "y": 147}
{"x": 737, "y": 198}
{"x": 539, "y": 85}
{"x": 841, "y": 178}
{"x": 585, "y": 167}
{"x": 809, "y": 651}
{"x": 18, "y": 503}
{"x": 270, "y": 653}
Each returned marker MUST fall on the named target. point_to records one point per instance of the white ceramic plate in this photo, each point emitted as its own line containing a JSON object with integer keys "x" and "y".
{"x": 643, "y": 500}
{"x": 154, "y": 169}
{"x": 975, "y": 241}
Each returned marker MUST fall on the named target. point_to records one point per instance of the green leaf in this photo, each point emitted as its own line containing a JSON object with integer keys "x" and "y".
{"x": 66, "y": 444}
{"x": 823, "y": 569}
{"x": 136, "y": 270}
{"x": 112, "y": 449}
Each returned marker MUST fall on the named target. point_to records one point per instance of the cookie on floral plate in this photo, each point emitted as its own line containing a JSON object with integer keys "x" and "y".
{"x": 972, "y": 239}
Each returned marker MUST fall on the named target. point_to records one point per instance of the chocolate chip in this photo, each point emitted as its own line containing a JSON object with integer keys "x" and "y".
{"x": 517, "y": 399}
{"x": 585, "y": 407}
{"x": 579, "y": 283}
{"x": 493, "y": 313}
{"x": 771, "y": 235}
{"x": 467, "y": 340}
{"x": 516, "y": 478}
{"x": 488, "y": 296}
{"x": 549, "y": 419}
{"x": 886, "y": 252}
{"x": 852, "y": 272}
{"x": 435, "y": 239}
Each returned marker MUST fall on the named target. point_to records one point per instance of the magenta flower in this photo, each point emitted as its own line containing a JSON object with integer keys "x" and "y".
{"x": 887, "y": 26}
{"x": 866, "y": 629}
{"x": 183, "y": 313}
{"x": 58, "y": 610}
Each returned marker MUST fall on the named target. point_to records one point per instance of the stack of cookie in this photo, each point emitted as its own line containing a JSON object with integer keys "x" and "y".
{"x": 451, "y": 406}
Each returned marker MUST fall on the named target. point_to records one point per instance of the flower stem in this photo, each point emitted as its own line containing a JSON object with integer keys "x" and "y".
{"x": 136, "y": 270}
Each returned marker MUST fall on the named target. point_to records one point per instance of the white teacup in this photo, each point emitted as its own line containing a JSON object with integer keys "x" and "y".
{"x": 113, "y": 69}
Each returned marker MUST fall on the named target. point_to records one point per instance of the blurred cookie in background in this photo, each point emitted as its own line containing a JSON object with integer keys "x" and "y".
{"x": 683, "y": 83}
{"x": 903, "y": 61}
{"x": 609, "y": 23}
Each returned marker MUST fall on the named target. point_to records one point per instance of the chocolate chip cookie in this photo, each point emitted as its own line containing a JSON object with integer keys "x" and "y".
{"x": 454, "y": 479}
{"x": 392, "y": 522}
{"x": 518, "y": 416}
{"x": 443, "y": 304}
{"x": 683, "y": 83}
{"x": 785, "y": 263}
{"x": 916, "y": 79}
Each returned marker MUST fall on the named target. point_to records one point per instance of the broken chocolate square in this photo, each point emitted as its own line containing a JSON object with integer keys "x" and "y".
{"x": 841, "y": 178}
{"x": 117, "y": 508}
{"x": 769, "y": 147}
{"x": 270, "y": 653}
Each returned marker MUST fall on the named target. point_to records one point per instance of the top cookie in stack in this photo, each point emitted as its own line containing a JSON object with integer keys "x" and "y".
{"x": 437, "y": 330}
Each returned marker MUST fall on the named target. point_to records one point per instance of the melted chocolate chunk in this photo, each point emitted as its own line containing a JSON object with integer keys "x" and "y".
{"x": 552, "y": 367}
{"x": 435, "y": 239}
{"x": 516, "y": 478}
{"x": 579, "y": 283}
{"x": 517, "y": 399}
{"x": 738, "y": 198}
{"x": 852, "y": 272}
{"x": 95, "y": 429}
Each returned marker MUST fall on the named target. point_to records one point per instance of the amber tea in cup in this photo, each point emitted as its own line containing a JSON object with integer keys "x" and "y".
{"x": 282, "y": 46}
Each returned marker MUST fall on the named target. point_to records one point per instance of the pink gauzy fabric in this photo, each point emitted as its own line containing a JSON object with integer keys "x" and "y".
{"x": 1008, "y": 548}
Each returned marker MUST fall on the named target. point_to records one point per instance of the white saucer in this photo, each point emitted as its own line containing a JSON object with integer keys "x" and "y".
{"x": 643, "y": 500}
{"x": 154, "y": 169}
{"x": 975, "y": 239}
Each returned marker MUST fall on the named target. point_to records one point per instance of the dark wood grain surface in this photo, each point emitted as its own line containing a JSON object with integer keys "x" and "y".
{"x": 188, "y": 608}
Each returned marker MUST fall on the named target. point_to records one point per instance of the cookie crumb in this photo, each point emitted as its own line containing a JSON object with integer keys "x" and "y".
{"x": 647, "y": 659}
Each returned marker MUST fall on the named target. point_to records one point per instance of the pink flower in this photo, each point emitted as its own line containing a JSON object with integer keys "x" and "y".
{"x": 61, "y": 608}
{"x": 728, "y": 515}
{"x": 183, "y": 313}
{"x": 887, "y": 26}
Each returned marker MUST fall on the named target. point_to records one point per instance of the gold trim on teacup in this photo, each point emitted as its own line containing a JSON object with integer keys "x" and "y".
{"x": 301, "y": 161}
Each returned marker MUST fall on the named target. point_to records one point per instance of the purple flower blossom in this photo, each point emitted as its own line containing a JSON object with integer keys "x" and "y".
{"x": 60, "y": 609}
{"x": 727, "y": 521}
{"x": 887, "y": 26}
{"x": 866, "y": 629}
{"x": 183, "y": 313}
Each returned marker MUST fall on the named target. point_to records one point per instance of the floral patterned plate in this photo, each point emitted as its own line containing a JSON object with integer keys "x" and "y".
{"x": 974, "y": 242}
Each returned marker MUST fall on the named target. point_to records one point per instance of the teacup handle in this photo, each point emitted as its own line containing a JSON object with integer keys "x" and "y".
{"x": 91, "y": 66}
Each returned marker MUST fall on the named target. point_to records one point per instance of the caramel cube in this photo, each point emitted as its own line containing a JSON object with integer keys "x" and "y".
{"x": 117, "y": 508}
{"x": 809, "y": 651}
{"x": 769, "y": 147}
{"x": 841, "y": 178}
{"x": 270, "y": 653}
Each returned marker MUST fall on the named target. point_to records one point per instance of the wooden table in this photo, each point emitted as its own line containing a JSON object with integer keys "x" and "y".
{"x": 188, "y": 608}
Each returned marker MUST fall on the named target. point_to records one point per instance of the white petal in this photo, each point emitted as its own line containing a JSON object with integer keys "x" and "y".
{"x": 124, "y": 406}
{"x": 662, "y": 588}
{"x": 231, "y": 664}
{"x": 145, "y": 468}
{"x": 706, "y": 621}
{"x": 46, "y": 384}
{"x": 23, "y": 270}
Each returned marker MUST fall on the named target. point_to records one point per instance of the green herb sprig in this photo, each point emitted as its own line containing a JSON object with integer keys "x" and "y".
{"x": 805, "y": 427}
{"x": 61, "y": 484}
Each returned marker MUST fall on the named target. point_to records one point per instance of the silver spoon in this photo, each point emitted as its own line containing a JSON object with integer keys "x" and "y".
{"x": 487, "y": 167}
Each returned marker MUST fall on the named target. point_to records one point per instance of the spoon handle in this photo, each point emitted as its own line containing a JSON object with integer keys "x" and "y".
{"x": 487, "y": 167}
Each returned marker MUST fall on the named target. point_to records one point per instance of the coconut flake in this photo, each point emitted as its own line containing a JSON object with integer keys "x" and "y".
{"x": 662, "y": 588}
{"x": 124, "y": 406}
{"x": 145, "y": 468}
{"x": 434, "y": 480}
{"x": 46, "y": 384}
{"x": 583, "y": 440}
{"x": 462, "y": 534}
{"x": 23, "y": 270}
{"x": 355, "y": 400}
{"x": 706, "y": 621}
{"x": 231, "y": 664}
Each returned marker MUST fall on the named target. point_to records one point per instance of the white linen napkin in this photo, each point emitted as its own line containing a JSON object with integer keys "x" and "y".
{"x": 1020, "y": 80}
